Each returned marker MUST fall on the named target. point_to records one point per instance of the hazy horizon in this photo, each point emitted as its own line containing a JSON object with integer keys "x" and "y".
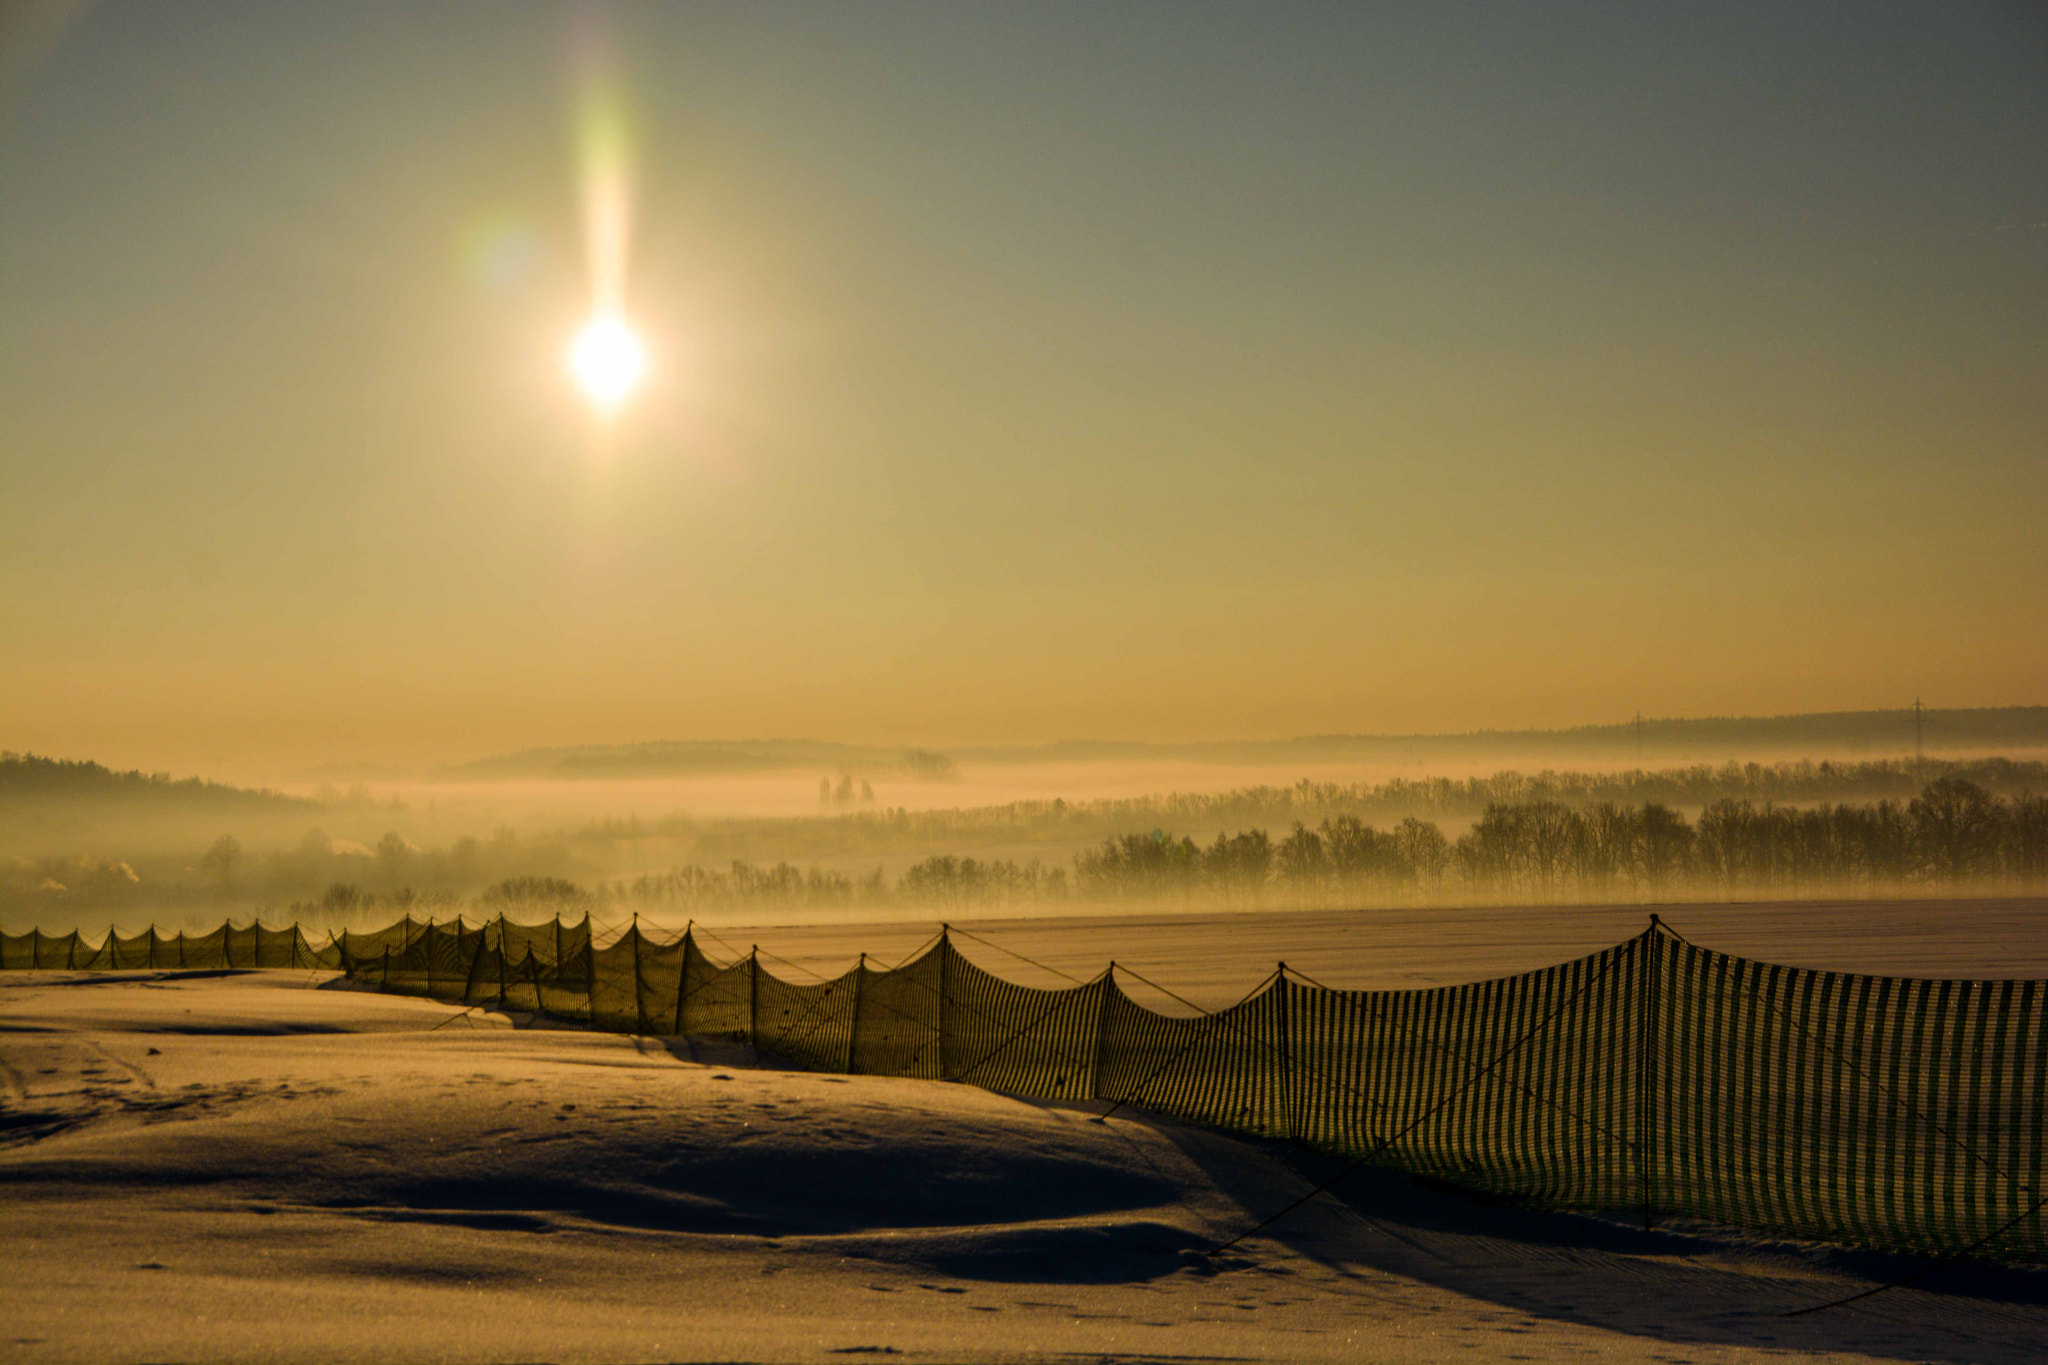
{"x": 772, "y": 776}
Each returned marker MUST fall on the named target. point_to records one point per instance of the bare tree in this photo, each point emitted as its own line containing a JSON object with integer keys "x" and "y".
{"x": 221, "y": 860}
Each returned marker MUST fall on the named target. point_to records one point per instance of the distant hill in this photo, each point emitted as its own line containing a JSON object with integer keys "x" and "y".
{"x": 1663, "y": 740}
{"x": 31, "y": 779}
{"x": 1714, "y": 738}
{"x": 686, "y": 758}
{"x": 50, "y": 806}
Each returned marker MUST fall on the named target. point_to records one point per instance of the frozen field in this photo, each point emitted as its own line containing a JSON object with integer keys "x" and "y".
{"x": 274, "y": 1166}
{"x": 1212, "y": 959}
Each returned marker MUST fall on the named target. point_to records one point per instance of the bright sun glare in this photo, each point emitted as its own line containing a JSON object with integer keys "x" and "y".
{"x": 608, "y": 360}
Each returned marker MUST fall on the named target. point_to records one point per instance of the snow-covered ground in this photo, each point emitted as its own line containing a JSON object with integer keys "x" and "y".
{"x": 275, "y": 1166}
{"x": 1212, "y": 960}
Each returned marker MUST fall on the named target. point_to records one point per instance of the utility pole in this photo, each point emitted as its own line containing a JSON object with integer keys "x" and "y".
{"x": 1639, "y": 739}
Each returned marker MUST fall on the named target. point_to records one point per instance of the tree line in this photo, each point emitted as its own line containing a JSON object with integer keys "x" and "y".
{"x": 858, "y": 829}
{"x": 27, "y": 778}
{"x": 1955, "y": 833}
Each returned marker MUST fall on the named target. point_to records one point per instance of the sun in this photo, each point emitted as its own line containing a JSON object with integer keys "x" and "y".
{"x": 608, "y": 360}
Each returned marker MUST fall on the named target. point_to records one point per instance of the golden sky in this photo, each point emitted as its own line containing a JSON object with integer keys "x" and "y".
{"x": 1018, "y": 372}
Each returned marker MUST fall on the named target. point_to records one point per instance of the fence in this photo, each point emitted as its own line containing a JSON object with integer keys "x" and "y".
{"x": 1655, "y": 1077}
{"x": 224, "y": 948}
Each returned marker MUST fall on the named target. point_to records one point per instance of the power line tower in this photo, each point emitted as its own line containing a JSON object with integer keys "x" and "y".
{"x": 1639, "y": 739}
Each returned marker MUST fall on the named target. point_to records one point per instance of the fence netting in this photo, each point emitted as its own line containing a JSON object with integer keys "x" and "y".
{"x": 1655, "y": 1077}
{"x": 225, "y": 948}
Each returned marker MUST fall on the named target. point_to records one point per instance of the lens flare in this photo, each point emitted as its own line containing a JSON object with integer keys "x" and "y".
{"x": 500, "y": 252}
{"x": 607, "y": 196}
{"x": 606, "y": 357}
{"x": 608, "y": 360}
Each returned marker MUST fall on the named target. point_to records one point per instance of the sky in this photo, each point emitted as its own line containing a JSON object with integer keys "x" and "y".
{"x": 1017, "y": 372}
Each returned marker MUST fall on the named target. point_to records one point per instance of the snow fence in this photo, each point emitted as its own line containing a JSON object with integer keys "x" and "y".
{"x": 1654, "y": 1077}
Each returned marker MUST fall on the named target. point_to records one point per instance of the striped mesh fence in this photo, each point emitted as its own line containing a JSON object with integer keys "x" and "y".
{"x": 227, "y": 948}
{"x": 1654, "y": 1078}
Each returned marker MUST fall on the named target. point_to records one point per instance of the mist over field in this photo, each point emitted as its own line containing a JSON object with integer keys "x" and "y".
{"x": 679, "y": 831}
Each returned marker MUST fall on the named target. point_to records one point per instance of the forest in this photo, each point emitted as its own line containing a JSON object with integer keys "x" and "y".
{"x": 31, "y": 779}
{"x": 1954, "y": 835}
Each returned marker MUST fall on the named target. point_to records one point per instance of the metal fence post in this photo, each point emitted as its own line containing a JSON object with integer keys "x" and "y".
{"x": 860, "y": 970}
{"x": 1652, "y": 943}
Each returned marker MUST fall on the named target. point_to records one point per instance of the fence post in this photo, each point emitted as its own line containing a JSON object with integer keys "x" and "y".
{"x": 639, "y": 991}
{"x": 589, "y": 969}
{"x": 1646, "y": 1070}
{"x": 945, "y": 988}
{"x": 860, "y": 970}
{"x": 1102, "y": 1029}
{"x": 428, "y": 939}
{"x": 754, "y": 999}
{"x": 1287, "y": 1088}
{"x": 683, "y": 975}
{"x": 476, "y": 965}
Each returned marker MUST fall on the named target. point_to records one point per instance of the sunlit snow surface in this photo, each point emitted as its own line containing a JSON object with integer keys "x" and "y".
{"x": 272, "y": 1166}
